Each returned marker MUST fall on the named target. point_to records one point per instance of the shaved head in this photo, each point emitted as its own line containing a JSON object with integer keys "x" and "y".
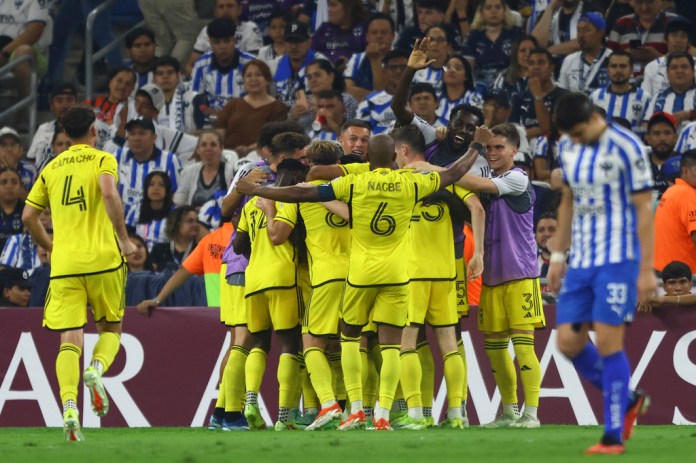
{"x": 381, "y": 151}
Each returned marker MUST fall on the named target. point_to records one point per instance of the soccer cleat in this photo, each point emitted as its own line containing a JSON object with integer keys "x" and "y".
{"x": 410, "y": 424}
{"x": 430, "y": 422}
{"x": 253, "y": 417}
{"x": 97, "y": 393}
{"x": 501, "y": 421}
{"x": 453, "y": 423}
{"x": 326, "y": 418}
{"x": 396, "y": 415}
{"x": 354, "y": 421}
{"x": 382, "y": 424}
{"x": 526, "y": 422}
{"x": 302, "y": 421}
{"x": 638, "y": 407}
{"x": 603, "y": 449}
{"x": 214, "y": 423}
{"x": 286, "y": 426}
{"x": 71, "y": 426}
{"x": 240, "y": 424}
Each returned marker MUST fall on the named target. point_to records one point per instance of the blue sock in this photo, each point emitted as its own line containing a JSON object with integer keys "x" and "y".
{"x": 615, "y": 377}
{"x": 589, "y": 364}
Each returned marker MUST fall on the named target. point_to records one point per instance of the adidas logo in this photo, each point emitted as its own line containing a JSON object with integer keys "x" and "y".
{"x": 528, "y": 315}
{"x": 461, "y": 303}
{"x": 525, "y": 368}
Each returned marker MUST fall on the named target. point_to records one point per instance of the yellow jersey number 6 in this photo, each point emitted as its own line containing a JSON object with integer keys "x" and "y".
{"x": 382, "y": 224}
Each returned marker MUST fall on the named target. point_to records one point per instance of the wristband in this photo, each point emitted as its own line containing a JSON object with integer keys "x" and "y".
{"x": 478, "y": 147}
{"x": 557, "y": 258}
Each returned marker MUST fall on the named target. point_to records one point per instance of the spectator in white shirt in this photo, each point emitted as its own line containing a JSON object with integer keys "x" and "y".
{"x": 63, "y": 96}
{"x": 677, "y": 38}
{"x": 586, "y": 70}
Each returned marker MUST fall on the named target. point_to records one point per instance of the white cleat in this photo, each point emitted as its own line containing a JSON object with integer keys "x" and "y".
{"x": 526, "y": 422}
{"x": 502, "y": 421}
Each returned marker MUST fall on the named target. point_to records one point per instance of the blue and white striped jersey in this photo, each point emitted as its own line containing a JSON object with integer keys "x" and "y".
{"x": 687, "y": 138}
{"x": 445, "y": 106}
{"x": 359, "y": 70}
{"x": 219, "y": 85}
{"x": 603, "y": 176}
{"x": 323, "y": 135}
{"x": 430, "y": 76}
{"x": 630, "y": 105}
{"x": 131, "y": 177}
{"x": 669, "y": 102}
{"x": 376, "y": 111}
{"x": 152, "y": 232}
{"x": 20, "y": 252}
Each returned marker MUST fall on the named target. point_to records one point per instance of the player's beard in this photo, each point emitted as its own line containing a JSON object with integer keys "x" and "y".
{"x": 621, "y": 82}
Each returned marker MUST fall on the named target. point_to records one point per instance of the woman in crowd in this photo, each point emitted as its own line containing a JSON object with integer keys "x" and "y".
{"x": 59, "y": 143}
{"x": 514, "y": 79}
{"x": 490, "y": 41}
{"x": 441, "y": 43}
{"x": 10, "y": 204}
{"x": 140, "y": 260}
{"x": 121, "y": 84}
{"x": 457, "y": 88}
{"x": 343, "y": 34}
{"x": 182, "y": 231}
{"x": 242, "y": 118}
{"x": 156, "y": 205}
{"x": 202, "y": 180}
{"x": 276, "y": 31}
{"x": 321, "y": 76}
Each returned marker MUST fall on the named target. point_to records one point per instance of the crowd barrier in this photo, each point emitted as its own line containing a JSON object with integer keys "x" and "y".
{"x": 166, "y": 373}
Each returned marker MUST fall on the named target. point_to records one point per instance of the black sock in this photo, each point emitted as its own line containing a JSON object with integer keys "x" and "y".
{"x": 342, "y": 403}
{"x": 219, "y": 413}
{"x": 608, "y": 440}
{"x": 232, "y": 416}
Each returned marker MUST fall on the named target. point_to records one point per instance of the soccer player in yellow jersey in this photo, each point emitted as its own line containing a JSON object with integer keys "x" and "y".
{"x": 433, "y": 287}
{"x": 87, "y": 259}
{"x": 273, "y": 302}
{"x": 381, "y": 203}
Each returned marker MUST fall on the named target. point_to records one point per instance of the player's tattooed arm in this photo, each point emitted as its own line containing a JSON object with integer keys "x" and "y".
{"x": 338, "y": 208}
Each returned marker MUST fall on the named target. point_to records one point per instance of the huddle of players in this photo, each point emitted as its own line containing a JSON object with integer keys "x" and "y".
{"x": 382, "y": 252}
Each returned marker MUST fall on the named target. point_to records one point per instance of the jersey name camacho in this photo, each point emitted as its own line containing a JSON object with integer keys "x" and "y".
{"x": 84, "y": 240}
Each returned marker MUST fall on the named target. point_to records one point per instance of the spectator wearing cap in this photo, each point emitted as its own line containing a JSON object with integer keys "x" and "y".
{"x": 423, "y": 101}
{"x": 217, "y": 75}
{"x": 429, "y": 13}
{"x": 148, "y": 103}
{"x": 343, "y": 34}
{"x": 289, "y": 70}
{"x": 177, "y": 111}
{"x": 677, "y": 39}
{"x": 63, "y": 96}
{"x": 278, "y": 21}
{"x": 675, "y": 219}
{"x": 642, "y": 34}
{"x": 140, "y": 46}
{"x": 671, "y": 169}
{"x": 620, "y": 98}
{"x": 586, "y": 70}
{"x": 457, "y": 88}
{"x": 364, "y": 71}
{"x": 16, "y": 287}
{"x": 497, "y": 108}
{"x": 261, "y": 11}
{"x": 679, "y": 99}
{"x": 493, "y": 31}
{"x": 138, "y": 159}
{"x": 440, "y": 45}
{"x": 662, "y": 138}
{"x": 247, "y": 34}
{"x": 375, "y": 109}
{"x": 11, "y": 152}
{"x": 557, "y": 28}
{"x": 513, "y": 80}
{"x": 11, "y": 204}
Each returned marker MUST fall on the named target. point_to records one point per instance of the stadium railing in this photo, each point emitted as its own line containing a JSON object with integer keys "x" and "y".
{"x": 92, "y": 57}
{"x": 30, "y": 99}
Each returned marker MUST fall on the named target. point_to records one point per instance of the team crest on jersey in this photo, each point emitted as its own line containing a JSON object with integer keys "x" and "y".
{"x": 606, "y": 166}
{"x": 18, "y": 3}
{"x": 640, "y": 164}
{"x": 637, "y": 109}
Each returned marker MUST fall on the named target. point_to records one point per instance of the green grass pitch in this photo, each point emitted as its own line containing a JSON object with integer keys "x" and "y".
{"x": 186, "y": 445}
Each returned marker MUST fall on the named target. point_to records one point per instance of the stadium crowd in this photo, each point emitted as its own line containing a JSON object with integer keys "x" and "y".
{"x": 201, "y": 103}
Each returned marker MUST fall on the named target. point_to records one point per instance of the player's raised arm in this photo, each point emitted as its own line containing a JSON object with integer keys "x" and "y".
{"x": 462, "y": 165}
{"x": 114, "y": 209}
{"x": 418, "y": 60}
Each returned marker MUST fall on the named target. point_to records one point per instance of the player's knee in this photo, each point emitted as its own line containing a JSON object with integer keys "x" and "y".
{"x": 570, "y": 346}
{"x": 242, "y": 338}
{"x": 352, "y": 331}
{"x": 261, "y": 340}
{"x": 290, "y": 340}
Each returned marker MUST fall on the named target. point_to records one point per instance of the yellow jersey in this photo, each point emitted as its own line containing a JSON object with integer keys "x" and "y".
{"x": 381, "y": 204}
{"x": 431, "y": 240}
{"x": 355, "y": 168}
{"x": 84, "y": 239}
{"x": 270, "y": 266}
{"x": 328, "y": 239}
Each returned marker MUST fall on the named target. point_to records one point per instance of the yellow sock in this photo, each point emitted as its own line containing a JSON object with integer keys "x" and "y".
{"x": 389, "y": 376}
{"x": 371, "y": 384}
{"x": 365, "y": 366}
{"x": 233, "y": 379}
{"x": 503, "y": 368}
{"x": 352, "y": 367}
{"x": 320, "y": 374}
{"x": 68, "y": 371}
{"x": 454, "y": 377}
{"x": 337, "y": 382}
{"x": 465, "y": 386}
{"x": 106, "y": 349}
{"x": 220, "y": 402}
{"x": 425, "y": 356}
{"x": 530, "y": 371}
{"x": 411, "y": 376}
{"x": 254, "y": 369}
{"x": 288, "y": 380}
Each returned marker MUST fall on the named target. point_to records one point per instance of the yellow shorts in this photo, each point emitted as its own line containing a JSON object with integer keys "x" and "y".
{"x": 321, "y": 316}
{"x": 67, "y": 299}
{"x": 460, "y": 286}
{"x": 277, "y": 309}
{"x": 434, "y": 302}
{"x": 510, "y": 305}
{"x": 382, "y": 304}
